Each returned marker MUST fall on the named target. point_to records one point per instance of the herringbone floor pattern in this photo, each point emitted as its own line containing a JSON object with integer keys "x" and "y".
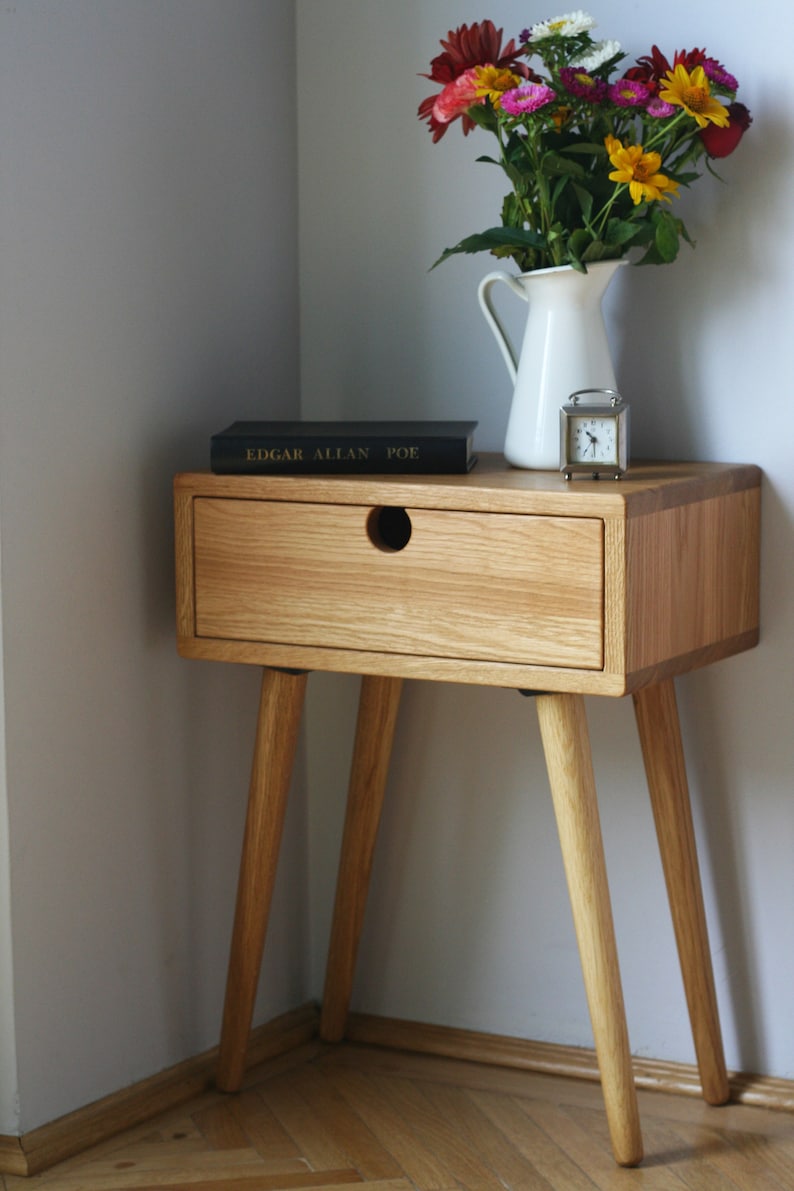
{"x": 340, "y": 1117}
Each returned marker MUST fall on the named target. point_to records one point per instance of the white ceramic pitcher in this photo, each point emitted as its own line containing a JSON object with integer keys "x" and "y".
{"x": 565, "y": 348}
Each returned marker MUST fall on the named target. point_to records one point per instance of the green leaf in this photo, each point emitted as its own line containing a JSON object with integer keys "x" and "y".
{"x": 521, "y": 184}
{"x": 578, "y": 242}
{"x": 595, "y": 251}
{"x": 664, "y": 246}
{"x": 651, "y": 257}
{"x": 684, "y": 233}
{"x": 592, "y": 150}
{"x": 520, "y": 178}
{"x": 515, "y": 142}
{"x": 494, "y": 238}
{"x": 553, "y": 163}
{"x": 484, "y": 115}
{"x": 585, "y": 201}
{"x": 666, "y": 235}
{"x": 512, "y": 213}
{"x": 621, "y": 231}
{"x": 559, "y": 186}
{"x": 644, "y": 232}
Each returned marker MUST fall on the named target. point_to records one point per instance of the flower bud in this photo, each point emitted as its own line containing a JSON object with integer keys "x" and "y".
{"x": 721, "y": 142}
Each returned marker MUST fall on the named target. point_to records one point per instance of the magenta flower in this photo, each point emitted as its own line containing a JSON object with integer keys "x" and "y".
{"x": 582, "y": 84}
{"x": 527, "y": 98}
{"x": 717, "y": 74}
{"x": 629, "y": 93}
{"x": 659, "y": 108}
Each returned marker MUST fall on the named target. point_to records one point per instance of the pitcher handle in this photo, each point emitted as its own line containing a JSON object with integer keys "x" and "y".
{"x": 491, "y": 317}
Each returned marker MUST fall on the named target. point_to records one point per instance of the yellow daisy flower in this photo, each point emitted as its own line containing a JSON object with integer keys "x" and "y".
{"x": 693, "y": 94}
{"x": 639, "y": 171}
{"x": 493, "y": 81}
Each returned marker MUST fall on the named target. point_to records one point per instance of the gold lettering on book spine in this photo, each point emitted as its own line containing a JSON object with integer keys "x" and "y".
{"x": 340, "y": 454}
{"x": 274, "y": 454}
{"x": 329, "y": 454}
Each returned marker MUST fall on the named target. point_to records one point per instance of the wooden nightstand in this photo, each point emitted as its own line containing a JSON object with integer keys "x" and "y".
{"x": 498, "y": 577}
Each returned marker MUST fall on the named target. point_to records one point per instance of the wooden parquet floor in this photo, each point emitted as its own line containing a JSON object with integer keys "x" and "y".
{"x": 339, "y": 1117}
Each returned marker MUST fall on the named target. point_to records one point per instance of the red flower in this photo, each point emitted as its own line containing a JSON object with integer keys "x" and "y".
{"x": 653, "y": 67}
{"x": 477, "y": 45}
{"x": 721, "y": 142}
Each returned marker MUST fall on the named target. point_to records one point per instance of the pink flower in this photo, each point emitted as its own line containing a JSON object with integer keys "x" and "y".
{"x": 457, "y": 97}
{"x": 629, "y": 93}
{"x": 527, "y": 98}
{"x": 658, "y": 107}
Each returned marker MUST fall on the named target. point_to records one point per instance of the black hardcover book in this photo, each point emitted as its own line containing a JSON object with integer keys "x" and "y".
{"x": 305, "y": 448}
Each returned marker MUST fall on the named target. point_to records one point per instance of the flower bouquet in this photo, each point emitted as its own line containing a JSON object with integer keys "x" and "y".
{"x": 594, "y": 154}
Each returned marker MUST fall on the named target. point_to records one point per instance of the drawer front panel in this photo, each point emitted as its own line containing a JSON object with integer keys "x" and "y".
{"x": 495, "y": 586}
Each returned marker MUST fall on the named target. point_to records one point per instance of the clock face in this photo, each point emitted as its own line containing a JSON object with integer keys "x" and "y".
{"x": 593, "y": 438}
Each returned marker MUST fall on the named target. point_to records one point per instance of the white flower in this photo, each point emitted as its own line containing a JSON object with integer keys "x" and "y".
{"x": 566, "y": 26}
{"x": 601, "y": 52}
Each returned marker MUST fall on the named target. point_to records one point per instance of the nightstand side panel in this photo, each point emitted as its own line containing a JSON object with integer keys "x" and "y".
{"x": 692, "y": 576}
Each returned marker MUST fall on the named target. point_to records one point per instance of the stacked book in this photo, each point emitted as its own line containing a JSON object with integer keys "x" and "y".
{"x": 315, "y": 448}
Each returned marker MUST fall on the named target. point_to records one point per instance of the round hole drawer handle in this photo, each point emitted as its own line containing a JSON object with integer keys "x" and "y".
{"x": 389, "y": 528}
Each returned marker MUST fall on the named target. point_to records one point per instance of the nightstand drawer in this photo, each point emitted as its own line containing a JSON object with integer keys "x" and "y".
{"x": 474, "y": 585}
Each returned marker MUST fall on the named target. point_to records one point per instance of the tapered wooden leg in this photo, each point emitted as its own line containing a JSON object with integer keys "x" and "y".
{"x": 567, "y": 748}
{"x": 280, "y": 707}
{"x": 660, "y": 736}
{"x": 377, "y": 716}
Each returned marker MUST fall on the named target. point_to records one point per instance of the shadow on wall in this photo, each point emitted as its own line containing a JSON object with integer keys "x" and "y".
{"x": 665, "y": 320}
{"x": 746, "y": 811}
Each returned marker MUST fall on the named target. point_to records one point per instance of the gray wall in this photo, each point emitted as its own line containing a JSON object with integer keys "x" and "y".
{"x": 148, "y": 296}
{"x": 469, "y": 922}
